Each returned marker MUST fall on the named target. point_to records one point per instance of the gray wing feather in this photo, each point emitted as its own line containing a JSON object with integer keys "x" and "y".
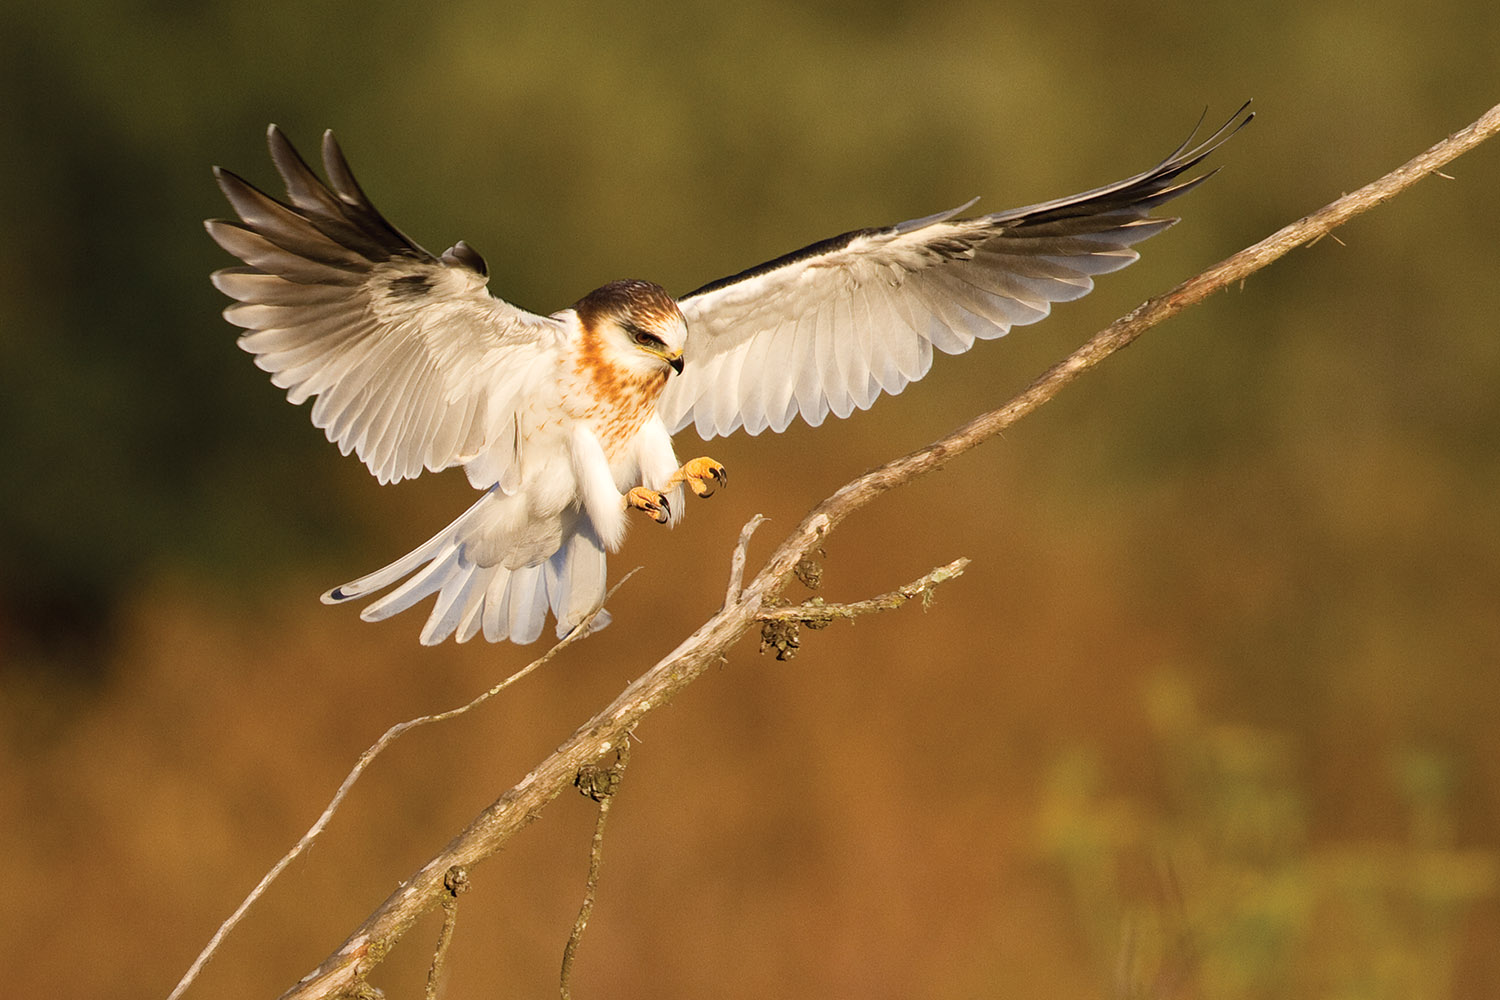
{"x": 828, "y": 328}
{"x": 412, "y": 363}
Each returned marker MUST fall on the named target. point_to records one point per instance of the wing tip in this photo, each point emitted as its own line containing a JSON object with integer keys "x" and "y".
{"x": 280, "y": 147}
{"x": 1242, "y": 116}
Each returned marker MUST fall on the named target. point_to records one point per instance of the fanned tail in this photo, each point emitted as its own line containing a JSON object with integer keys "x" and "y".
{"x": 473, "y": 597}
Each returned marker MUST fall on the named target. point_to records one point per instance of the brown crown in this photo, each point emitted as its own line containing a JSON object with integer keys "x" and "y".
{"x": 642, "y": 301}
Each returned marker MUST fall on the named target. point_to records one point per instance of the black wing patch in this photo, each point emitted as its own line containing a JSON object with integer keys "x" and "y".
{"x": 818, "y": 249}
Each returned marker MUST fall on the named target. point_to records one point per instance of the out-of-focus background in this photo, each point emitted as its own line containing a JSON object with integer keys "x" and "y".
{"x": 1212, "y": 714}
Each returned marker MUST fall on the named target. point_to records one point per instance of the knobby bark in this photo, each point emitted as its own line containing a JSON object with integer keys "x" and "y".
{"x": 344, "y": 972}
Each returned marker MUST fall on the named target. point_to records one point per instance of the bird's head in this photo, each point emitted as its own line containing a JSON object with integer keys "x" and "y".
{"x": 637, "y": 324}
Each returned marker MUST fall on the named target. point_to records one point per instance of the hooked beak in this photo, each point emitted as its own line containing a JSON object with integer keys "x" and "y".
{"x": 676, "y": 363}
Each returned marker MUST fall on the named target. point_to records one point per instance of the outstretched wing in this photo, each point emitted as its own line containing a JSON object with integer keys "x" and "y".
{"x": 827, "y": 328}
{"x": 413, "y": 364}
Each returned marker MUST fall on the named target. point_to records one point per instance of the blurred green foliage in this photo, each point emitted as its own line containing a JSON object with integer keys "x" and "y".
{"x": 1215, "y": 888}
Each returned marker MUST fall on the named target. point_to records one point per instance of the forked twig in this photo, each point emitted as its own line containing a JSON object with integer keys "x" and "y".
{"x": 782, "y": 625}
{"x": 737, "y": 561}
{"x": 817, "y": 613}
{"x": 457, "y": 883}
{"x": 599, "y": 784}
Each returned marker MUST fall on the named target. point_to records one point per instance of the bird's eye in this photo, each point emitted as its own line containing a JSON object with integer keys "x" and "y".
{"x": 644, "y": 338}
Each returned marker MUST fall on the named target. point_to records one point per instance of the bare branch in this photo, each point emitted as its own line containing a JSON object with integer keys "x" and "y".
{"x": 737, "y": 561}
{"x": 346, "y": 969}
{"x": 456, "y": 882}
{"x": 781, "y": 627}
{"x": 599, "y": 784}
{"x": 818, "y": 613}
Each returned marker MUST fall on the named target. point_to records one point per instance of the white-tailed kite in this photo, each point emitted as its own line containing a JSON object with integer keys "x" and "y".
{"x": 565, "y": 421}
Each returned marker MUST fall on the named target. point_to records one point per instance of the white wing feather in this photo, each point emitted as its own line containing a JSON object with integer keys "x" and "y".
{"x": 827, "y": 328}
{"x": 412, "y": 364}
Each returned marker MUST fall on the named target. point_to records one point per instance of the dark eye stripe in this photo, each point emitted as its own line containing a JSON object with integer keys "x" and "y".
{"x": 643, "y": 337}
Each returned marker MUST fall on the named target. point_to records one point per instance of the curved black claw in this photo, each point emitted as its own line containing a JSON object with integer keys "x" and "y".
{"x": 699, "y": 472}
{"x": 650, "y": 502}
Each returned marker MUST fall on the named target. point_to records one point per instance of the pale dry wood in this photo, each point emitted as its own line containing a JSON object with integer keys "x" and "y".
{"x": 738, "y": 560}
{"x": 818, "y": 612}
{"x": 601, "y": 786}
{"x": 457, "y": 883}
{"x": 344, "y": 972}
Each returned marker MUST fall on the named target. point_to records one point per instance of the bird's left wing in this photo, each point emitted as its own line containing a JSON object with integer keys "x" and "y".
{"x": 412, "y": 362}
{"x": 827, "y": 328}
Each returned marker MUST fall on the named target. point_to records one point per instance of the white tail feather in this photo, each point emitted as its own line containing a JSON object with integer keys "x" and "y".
{"x": 500, "y": 602}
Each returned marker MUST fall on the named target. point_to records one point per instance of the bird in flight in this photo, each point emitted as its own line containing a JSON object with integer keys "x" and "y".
{"x": 565, "y": 421}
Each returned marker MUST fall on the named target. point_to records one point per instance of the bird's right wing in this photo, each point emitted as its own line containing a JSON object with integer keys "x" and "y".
{"x": 412, "y": 362}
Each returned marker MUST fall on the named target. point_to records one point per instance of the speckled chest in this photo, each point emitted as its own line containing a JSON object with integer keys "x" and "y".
{"x": 614, "y": 402}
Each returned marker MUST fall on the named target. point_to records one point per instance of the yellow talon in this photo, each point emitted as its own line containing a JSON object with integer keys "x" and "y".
{"x": 698, "y": 472}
